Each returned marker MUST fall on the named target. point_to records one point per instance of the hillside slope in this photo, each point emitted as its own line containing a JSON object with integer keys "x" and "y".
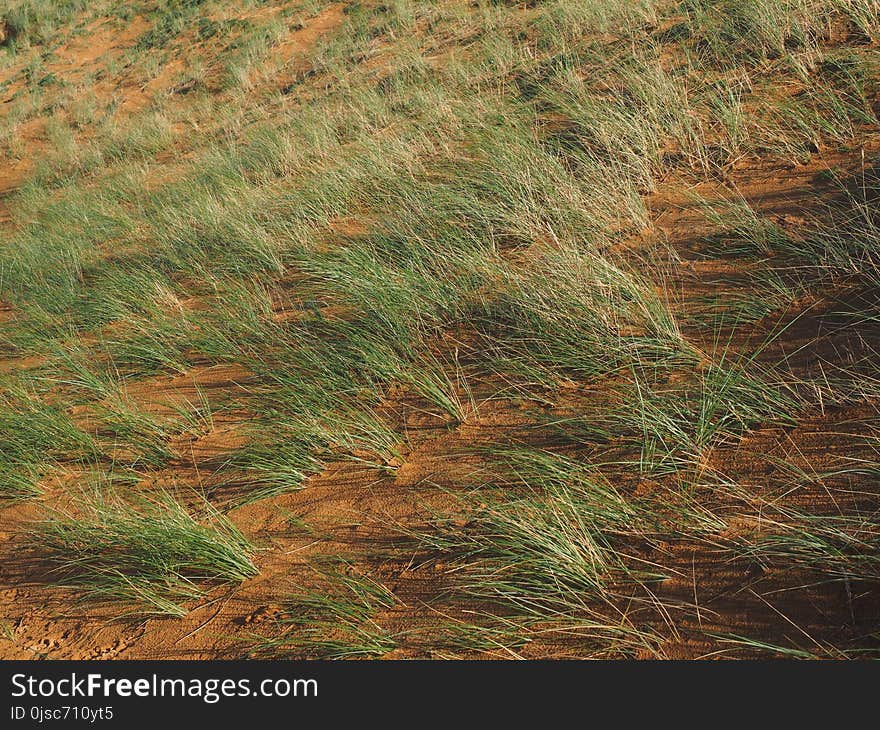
{"x": 439, "y": 329}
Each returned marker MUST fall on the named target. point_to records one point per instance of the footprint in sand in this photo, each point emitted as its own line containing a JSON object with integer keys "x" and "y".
{"x": 45, "y": 646}
{"x": 261, "y": 615}
{"x": 108, "y": 651}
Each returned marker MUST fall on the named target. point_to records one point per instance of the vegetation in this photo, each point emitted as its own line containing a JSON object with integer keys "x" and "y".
{"x": 152, "y": 551}
{"x": 530, "y": 239}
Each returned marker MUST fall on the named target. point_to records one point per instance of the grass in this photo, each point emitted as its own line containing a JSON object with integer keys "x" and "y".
{"x": 579, "y": 313}
{"x": 35, "y": 21}
{"x": 34, "y": 436}
{"x": 444, "y": 214}
{"x": 548, "y": 556}
{"x": 729, "y": 400}
{"x": 336, "y": 622}
{"x": 742, "y": 231}
{"x": 152, "y": 552}
{"x": 833, "y": 244}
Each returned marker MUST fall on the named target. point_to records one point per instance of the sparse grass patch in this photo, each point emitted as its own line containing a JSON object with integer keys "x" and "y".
{"x": 551, "y": 553}
{"x": 336, "y": 621}
{"x": 29, "y": 22}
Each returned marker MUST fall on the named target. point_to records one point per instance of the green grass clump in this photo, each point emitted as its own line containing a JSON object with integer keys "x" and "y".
{"x": 153, "y": 552}
{"x": 550, "y": 548}
{"x": 729, "y": 32}
{"x": 842, "y": 548}
{"x": 837, "y": 240}
{"x": 36, "y": 21}
{"x": 170, "y": 17}
{"x": 335, "y": 622}
{"x": 579, "y": 314}
{"x": 18, "y": 481}
{"x": 34, "y": 436}
{"x": 678, "y": 427}
{"x": 742, "y": 231}
{"x": 547, "y": 553}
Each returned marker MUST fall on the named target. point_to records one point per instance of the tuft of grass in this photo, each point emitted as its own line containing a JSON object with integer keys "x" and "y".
{"x": 756, "y": 645}
{"x": 34, "y": 436}
{"x": 742, "y": 231}
{"x": 153, "y": 552}
{"x": 726, "y": 33}
{"x": 864, "y": 14}
{"x": 550, "y": 549}
{"x": 28, "y": 22}
{"x": 580, "y": 314}
{"x": 838, "y": 547}
{"x": 336, "y": 622}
